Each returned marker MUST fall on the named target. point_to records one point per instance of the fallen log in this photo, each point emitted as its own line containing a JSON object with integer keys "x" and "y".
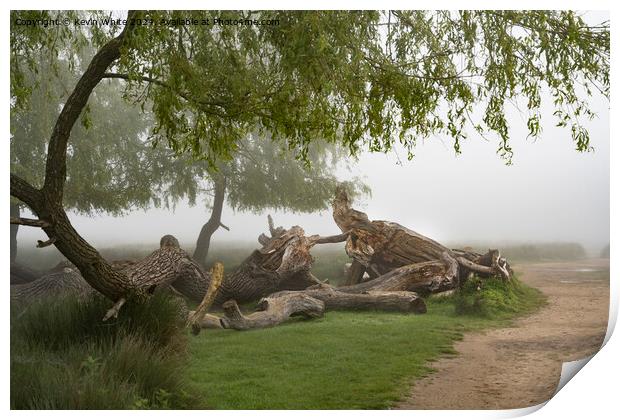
{"x": 272, "y": 311}
{"x": 336, "y": 299}
{"x": 66, "y": 282}
{"x": 282, "y": 263}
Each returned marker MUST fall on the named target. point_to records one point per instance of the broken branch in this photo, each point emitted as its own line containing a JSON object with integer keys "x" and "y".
{"x": 217, "y": 274}
{"x": 113, "y": 311}
{"x": 29, "y": 222}
{"x": 43, "y": 244}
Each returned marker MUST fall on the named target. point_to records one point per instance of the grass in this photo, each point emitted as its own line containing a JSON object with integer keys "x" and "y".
{"x": 64, "y": 357}
{"x": 346, "y": 360}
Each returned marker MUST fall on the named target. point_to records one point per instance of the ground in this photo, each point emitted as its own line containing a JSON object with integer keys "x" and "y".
{"x": 520, "y": 366}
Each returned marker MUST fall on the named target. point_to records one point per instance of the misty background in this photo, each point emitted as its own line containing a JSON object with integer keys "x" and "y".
{"x": 551, "y": 193}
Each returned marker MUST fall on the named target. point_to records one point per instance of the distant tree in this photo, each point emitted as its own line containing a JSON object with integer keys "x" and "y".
{"x": 260, "y": 175}
{"x": 364, "y": 80}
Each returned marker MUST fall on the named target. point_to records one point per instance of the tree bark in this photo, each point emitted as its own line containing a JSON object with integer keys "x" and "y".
{"x": 46, "y": 202}
{"x": 333, "y": 298}
{"x": 401, "y": 259}
{"x": 215, "y": 221}
{"x": 272, "y": 311}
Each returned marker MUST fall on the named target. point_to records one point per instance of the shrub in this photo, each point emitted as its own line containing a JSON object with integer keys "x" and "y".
{"x": 64, "y": 357}
{"x": 496, "y": 298}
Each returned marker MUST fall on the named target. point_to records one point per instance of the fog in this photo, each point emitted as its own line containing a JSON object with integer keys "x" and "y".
{"x": 550, "y": 193}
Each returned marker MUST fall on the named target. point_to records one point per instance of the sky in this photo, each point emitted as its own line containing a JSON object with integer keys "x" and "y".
{"x": 550, "y": 193}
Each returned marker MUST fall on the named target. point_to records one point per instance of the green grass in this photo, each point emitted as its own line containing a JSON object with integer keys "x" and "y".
{"x": 64, "y": 357}
{"x": 346, "y": 360}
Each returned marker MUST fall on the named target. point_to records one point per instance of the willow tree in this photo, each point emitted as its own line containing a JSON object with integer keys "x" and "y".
{"x": 114, "y": 168}
{"x": 365, "y": 80}
{"x": 111, "y": 167}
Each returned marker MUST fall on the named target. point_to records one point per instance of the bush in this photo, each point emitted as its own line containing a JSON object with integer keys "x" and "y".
{"x": 64, "y": 357}
{"x": 496, "y": 298}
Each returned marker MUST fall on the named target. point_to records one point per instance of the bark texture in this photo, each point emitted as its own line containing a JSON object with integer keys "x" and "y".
{"x": 66, "y": 282}
{"x": 397, "y": 301}
{"x": 272, "y": 311}
{"x": 46, "y": 202}
{"x": 397, "y": 258}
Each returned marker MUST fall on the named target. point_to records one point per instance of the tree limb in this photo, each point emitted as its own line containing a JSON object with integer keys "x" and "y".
{"x": 21, "y": 189}
{"x": 333, "y": 239}
{"x": 29, "y": 222}
{"x": 43, "y": 244}
{"x": 194, "y": 320}
{"x": 56, "y": 163}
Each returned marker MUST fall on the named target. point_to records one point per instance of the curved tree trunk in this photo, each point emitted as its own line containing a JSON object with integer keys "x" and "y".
{"x": 47, "y": 202}
{"x": 215, "y": 221}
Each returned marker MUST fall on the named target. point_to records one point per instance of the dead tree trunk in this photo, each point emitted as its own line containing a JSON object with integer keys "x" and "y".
{"x": 375, "y": 300}
{"x": 398, "y": 258}
{"x": 272, "y": 311}
{"x": 283, "y": 263}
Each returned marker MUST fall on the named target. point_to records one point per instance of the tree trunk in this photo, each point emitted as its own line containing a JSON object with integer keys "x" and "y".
{"x": 214, "y": 222}
{"x": 402, "y": 259}
{"x": 14, "y": 228}
{"x": 283, "y": 263}
{"x": 333, "y": 298}
{"x": 47, "y": 202}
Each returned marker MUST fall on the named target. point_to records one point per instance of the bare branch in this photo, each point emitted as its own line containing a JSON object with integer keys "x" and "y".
{"x": 194, "y": 320}
{"x": 113, "y": 311}
{"x": 29, "y": 222}
{"x": 43, "y": 244}
{"x": 316, "y": 239}
{"x": 21, "y": 189}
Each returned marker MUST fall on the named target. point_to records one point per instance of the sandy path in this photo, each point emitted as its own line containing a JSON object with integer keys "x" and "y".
{"x": 520, "y": 366}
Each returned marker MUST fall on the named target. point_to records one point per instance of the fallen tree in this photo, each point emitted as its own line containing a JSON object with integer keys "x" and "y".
{"x": 397, "y": 266}
{"x": 391, "y": 266}
{"x": 401, "y": 259}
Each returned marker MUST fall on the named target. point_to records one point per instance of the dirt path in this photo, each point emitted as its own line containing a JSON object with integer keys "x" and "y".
{"x": 520, "y": 366}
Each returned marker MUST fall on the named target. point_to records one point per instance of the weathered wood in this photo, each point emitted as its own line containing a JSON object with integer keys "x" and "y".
{"x": 272, "y": 311}
{"x": 333, "y": 298}
{"x": 208, "y": 322}
{"x": 195, "y": 318}
{"x": 425, "y": 278}
{"x": 397, "y": 258}
{"x": 354, "y": 273}
{"x": 282, "y": 263}
{"x": 66, "y": 282}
